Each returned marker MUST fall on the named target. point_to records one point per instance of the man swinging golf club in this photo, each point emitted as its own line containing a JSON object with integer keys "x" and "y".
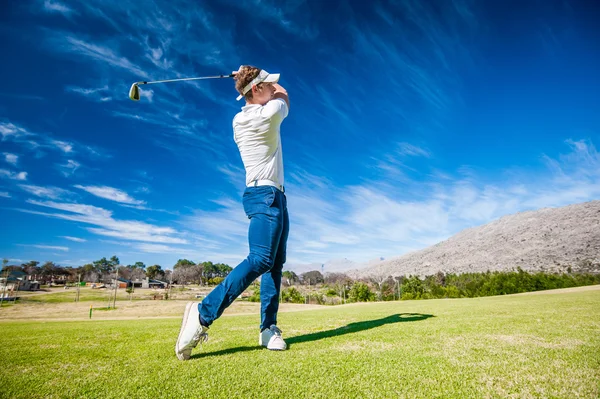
{"x": 256, "y": 133}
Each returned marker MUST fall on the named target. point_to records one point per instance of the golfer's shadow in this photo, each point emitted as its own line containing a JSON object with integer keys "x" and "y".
{"x": 347, "y": 329}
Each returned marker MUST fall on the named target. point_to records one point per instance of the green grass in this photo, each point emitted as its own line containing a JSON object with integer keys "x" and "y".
{"x": 543, "y": 345}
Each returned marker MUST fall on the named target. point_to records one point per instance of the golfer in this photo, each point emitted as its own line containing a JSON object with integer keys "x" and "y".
{"x": 256, "y": 133}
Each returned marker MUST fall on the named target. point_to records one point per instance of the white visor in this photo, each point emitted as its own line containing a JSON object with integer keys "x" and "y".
{"x": 263, "y": 76}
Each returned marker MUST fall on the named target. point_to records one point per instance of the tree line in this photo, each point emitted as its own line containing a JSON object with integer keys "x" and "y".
{"x": 105, "y": 270}
{"x": 335, "y": 288}
{"x": 315, "y": 286}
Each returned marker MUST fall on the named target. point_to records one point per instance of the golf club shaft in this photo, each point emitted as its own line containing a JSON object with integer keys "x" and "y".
{"x": 183, "y": 79}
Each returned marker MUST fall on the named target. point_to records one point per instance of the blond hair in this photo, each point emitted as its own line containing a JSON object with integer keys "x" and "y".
{"x": 245, "y": 75}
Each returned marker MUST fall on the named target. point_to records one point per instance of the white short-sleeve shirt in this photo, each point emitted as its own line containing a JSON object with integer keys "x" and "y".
{"x": 257, "y": 135}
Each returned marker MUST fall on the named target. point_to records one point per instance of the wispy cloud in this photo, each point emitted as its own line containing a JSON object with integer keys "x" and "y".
{"x": 111, "y": 193}
{"x": 412, "y": 150}
{"x": 11, "y": 158}
{"x": 38, "y": 141}
{"x": 69, "y": 168}
{"x": 8, "y": 129}
{"x": 76, "y": 239}
{"x": 100, "y": 94}
{"x": 46, "y": 192}
{"x": 108, "y": 226}
{"x": 156, "y": 248}
{"x": 98, "y": 52}
{"x": 49, "y": 247}
{"x": 8, "y": 174}
{"x": 5, "y": 194}
{"x": 64, "y": 146}
{"x": 57, "y": 7}
{"x": 290, "y": 17}
{"x": 378, "y": 218}
{"x": 157, "y": 43}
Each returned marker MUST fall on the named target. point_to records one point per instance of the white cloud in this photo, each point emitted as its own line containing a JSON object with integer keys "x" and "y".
{"x": 11, "y": 158}
{"x": 108, "y": 226}
{"x": 8, "y": 174}
{"x": 102, "y": 54}
{"x": 52, "y": 247}
{"x": 62, "y": 145}
{"x": 412, "y": 150}
{"x": 382, "y": 218}
{"x": 46, "y": 192}
{"x": 76, "y": 239}
{"x": 155, "y": 248}
{"x": 8, "y": 129}
{"x": 112, "y": 194}
{"x": 95, "y": 94}
{"x": 55, "y": 6}
{"x": 69, "y": 168}
{"x": 4, "y": 194}
{"x": 147, "y": 94}
{"x": 40, "y": 141}
{"x": 137, "y": 236}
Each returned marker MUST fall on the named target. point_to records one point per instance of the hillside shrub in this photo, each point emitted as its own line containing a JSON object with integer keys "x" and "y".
{"x": 292, "y": 295}
{"x": 360, "y": 292}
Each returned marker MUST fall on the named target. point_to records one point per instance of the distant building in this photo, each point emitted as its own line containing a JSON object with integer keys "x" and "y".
{"x": 18, "y": 281}
{"x": 149, "y": 283}
{"x": 124, "y": 283}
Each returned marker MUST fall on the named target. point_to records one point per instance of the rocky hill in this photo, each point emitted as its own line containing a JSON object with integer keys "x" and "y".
{"x": 549, "y": 239}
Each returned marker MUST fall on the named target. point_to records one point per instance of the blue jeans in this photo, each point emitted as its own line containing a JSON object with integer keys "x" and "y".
{"x": 266, "y": 207}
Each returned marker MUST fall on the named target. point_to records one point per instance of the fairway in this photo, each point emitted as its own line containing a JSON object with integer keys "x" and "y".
{"x": 543, "y": 344}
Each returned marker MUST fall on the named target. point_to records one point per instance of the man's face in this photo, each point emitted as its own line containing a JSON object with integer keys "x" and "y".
{"x": 263, "y": 93}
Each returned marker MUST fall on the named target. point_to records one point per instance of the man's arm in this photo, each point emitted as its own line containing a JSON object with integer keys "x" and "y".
{"x": 280, "y": 92}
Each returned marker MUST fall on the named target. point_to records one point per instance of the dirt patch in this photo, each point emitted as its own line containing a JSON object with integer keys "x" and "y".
{"x": 125, "y": 310}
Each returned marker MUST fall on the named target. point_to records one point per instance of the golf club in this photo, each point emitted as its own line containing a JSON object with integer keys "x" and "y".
{"x": 134, "y": 92}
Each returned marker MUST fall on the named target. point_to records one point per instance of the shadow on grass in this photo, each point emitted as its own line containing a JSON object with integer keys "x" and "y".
{"x": 358, "y": 326}
{"x": 348, "y": 329}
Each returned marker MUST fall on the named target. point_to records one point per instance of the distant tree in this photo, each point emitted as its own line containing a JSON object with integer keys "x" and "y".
{"x": 292, "y": 295}
{"x": 114, "y": 261}
{"x": 137, "y": 274}
{"x": 379, "y": 280}
{"x": 183, "y": 262}
{"x": 360, "y": 292}
{"x": 50, "y": 271}
{"x": 103, "y": 266}
{"x": 440, "y": 278}
{"x": 139, "y": 265}
{"x": 290, "y": 277}
{"x": 314, "y": 276}
{"x": 412, "y": 288}
{"x": 31, "y": 267}
{"x": 223, "y": 269}
{"x": 185, "y": 274}
{"x": 209, "y": 271}
{"x": 153, "y": 271}
{"x": 336, "y": 278}
{"x": 12, "y": 268}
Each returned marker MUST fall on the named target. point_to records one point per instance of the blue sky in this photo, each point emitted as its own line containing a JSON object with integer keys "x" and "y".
{"x": 409, "y": 122}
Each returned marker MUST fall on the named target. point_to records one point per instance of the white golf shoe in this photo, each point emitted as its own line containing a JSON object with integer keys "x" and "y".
{"x": 271, "y": 338}
{"x": 191, "y": 332}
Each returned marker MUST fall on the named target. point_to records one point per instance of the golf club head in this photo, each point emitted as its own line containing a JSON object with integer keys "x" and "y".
{"x": 134, "y": 92}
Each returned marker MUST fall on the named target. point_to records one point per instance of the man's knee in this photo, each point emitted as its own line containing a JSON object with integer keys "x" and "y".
{"x": 262, "y": 264}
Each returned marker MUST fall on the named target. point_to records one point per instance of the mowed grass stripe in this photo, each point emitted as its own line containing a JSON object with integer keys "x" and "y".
{"x": 533, "y": 345}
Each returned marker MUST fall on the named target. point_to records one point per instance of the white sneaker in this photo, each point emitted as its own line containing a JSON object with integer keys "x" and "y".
{"x": 191, "y": 332}
{"x": 271, "y": 338}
